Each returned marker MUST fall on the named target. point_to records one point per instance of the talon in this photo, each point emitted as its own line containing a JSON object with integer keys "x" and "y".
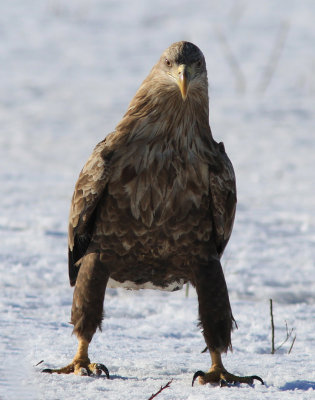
{"x": 196, "y": 375}
{"x": 97, "y": 369}
{"x": 223, "y": 383}
{"x": 223, "y": 378}
{"x": 97, "y": 372}
{"x": 47, "y": 371}
{"x": 80, "y": 368}
{"x": 258, "y": 378}
{"x": 101, "y": 367}
{"x": 81, "y": 364}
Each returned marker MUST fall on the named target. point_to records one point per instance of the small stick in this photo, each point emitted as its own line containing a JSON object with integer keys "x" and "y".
{"x": 39, "y": 363}
{"x": 289, "y": 333}
{"x": 272, "y": 329}
{"x": 292, "y": 345}
{"x": 162, "y": 388}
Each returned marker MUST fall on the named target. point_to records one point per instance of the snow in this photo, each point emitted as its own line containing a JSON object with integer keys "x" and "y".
{"x": 68, "y": 71}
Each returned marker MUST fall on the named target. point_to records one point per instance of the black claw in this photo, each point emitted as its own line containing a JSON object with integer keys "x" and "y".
{"x": 196, "y": 375}
{"x": 258, "y": 378}
{"x": 223, "y": 383}
{"x": 47, "y": 370}
{"x": 103, "y": 368}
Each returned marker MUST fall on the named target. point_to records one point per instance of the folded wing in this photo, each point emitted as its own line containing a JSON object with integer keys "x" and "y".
{"x": 223, "y": 199}
{"x": 88, "y": 191}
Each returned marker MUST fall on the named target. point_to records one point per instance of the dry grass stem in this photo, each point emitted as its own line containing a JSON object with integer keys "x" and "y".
{"x": 161, "y": 389}
{"x": 272, "y": 329}
{"x": 288, "y": 333}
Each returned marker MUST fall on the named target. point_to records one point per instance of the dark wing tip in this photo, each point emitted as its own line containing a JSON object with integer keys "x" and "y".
{"x": 73, "y": 269}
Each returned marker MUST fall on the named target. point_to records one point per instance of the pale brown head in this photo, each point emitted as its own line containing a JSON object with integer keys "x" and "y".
{"x": 173, "y": 99}
{"x": 183, "y": 65}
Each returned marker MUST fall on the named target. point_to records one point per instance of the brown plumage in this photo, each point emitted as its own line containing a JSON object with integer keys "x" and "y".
{"x": 154, "y": 205}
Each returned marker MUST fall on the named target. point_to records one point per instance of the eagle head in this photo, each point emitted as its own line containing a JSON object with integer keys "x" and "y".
{"x": 184, "y": 66}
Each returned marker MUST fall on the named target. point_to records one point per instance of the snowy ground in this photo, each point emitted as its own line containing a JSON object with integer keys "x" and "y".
{"x": 68, "y": 71}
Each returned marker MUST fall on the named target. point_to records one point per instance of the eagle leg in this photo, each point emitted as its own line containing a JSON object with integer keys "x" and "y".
{"x": 87, "y": 314}
{"x": 81, "y": 364}
{"x": 217, "y": 321}
{"x": 218, "y": 374}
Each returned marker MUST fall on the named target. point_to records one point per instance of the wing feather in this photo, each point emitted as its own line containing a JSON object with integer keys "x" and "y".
{"x": 223, "y": 199}
{"x": 87, "y": 193}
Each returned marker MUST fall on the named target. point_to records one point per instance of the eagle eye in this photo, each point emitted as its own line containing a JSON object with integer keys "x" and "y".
{"x": 167, "y": 62}
{"x": 199, "y": 63}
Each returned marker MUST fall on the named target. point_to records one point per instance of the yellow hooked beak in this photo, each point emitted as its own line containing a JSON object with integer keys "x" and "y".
{"x": 183, "y": 79}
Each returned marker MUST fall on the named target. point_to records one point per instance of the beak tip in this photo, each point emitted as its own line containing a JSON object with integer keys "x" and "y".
{"x": 183, "y": 81}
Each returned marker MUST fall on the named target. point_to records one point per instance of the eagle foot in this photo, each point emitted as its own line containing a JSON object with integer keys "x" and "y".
{"x": 217, "y": 375}
{"x": 80, "y": 367}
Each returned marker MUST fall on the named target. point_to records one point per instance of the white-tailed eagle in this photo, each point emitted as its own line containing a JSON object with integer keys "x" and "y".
{"x": 154, "y": 208}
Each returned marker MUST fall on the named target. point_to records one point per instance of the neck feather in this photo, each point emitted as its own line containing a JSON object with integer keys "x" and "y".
{"x": 158, "y": 112}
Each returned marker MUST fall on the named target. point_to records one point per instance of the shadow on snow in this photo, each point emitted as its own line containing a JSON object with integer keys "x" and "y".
{"x": 301, "y": 385}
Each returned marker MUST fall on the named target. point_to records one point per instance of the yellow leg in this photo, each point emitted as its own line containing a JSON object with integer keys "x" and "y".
{"x": 81, "y": 360}
{"x": 218, "y": 374}
{"x": 81, "y": 364}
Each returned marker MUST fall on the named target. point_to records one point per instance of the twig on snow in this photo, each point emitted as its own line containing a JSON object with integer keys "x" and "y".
{"x": 272, "y": 329}
{"x": 161, "y": 389}
{"x": 288, "y": 335}
{"x": 291, "y": 347}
